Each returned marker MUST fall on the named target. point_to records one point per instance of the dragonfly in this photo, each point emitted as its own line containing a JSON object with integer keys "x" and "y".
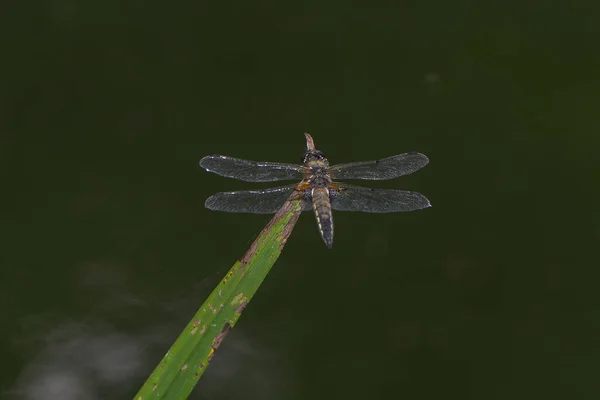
{"x": 318, "y": 189}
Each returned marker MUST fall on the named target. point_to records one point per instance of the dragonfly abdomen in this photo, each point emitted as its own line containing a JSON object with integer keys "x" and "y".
{"x": 322, "y": 207}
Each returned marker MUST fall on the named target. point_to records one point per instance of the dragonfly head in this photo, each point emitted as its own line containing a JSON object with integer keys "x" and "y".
{"x": 312, "y": 154}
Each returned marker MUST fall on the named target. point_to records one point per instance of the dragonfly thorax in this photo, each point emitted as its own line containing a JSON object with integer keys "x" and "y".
{"x": 318, "y": 173}
{"x": 319, "y": 180}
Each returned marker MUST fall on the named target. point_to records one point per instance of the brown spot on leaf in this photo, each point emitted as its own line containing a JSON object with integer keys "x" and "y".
{"x": 195, "y": 326}
{"x": 229, "y": 275}
{"x": 218, "y": 340}
{"x": 221, "y": 335}
{"x": 249, "y": 254}
{"x": 287, "y": 230}
{"x": 241, "y": 307}
{"x": 285, "y": 209}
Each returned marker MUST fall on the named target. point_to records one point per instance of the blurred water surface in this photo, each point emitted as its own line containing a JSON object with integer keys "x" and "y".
{"x": 106, "y": 108}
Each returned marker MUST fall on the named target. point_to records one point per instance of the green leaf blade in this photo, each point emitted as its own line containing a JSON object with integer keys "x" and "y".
{"x": 187, "y": 359}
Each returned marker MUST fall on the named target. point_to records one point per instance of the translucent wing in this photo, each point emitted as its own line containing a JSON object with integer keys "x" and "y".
{"x": 266, "y": 201}
{"x": 387, "y": 168}
{"x": 251, "y": 171}
{"x": 355, "y": 198}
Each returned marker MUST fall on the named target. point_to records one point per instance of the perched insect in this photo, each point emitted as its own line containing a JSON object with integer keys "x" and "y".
{"x": 317, "y": 190}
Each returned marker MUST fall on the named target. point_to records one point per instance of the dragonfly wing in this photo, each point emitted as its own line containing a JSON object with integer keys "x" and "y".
{"x": 251, "y": 171}
{"x": 266, "y": 201}
{"x": 387, "y": 168}
{"x": 356, "y": 198}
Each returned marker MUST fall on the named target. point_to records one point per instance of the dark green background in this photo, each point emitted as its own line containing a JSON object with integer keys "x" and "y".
{"x": 107, "y": 251}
